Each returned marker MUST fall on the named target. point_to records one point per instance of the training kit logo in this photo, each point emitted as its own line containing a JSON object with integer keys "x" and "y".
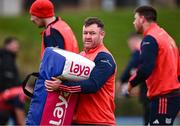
{"x": 168, "y": 120}
{"x": 156, "y": 121}
{"x": 106, "y": 61}
{"x": 145, "y": 43}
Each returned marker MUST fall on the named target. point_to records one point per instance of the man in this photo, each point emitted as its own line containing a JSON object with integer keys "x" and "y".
{"x": 159, "y": 67}
{"x": 12, "y": 106}
{"x": 96, "y": 101}
{"x": 134, "y": 41}
{"x": 56, "y": 33}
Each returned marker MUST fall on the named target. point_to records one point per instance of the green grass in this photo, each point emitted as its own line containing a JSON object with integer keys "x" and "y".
{"x": 118, "y": 25}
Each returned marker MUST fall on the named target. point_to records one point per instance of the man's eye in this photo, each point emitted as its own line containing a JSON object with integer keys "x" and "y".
{"x": 92, "y": 33}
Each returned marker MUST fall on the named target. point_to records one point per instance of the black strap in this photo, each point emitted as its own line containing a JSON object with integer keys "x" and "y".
{"x": 35, "y": 74}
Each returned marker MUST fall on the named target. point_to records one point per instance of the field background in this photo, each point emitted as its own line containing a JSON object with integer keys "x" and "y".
{"x": 118, "y": 25}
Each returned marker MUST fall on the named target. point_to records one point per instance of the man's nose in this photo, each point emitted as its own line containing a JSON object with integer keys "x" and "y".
{"x": 88, "y": 35}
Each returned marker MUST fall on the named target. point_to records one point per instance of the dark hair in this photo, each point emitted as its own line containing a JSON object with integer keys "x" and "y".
{"x": 9, "y": 40}
{"x": 93, "y": 20}
{"x": 148, "y": 12}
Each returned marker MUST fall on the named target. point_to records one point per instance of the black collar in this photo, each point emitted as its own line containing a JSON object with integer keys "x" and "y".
{"x": 53, "y": 22}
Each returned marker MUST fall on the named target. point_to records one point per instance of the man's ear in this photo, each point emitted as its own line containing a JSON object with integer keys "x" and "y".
{"x": 143, "y": 19}
{"x": 102, "y": 33}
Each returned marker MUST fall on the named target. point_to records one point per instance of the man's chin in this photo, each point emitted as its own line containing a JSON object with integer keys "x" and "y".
{"x": 138, "y": 32}
{"x": 87, "y": 46}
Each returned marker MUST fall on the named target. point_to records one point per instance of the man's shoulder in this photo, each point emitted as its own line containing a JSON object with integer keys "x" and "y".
{"x": 104, "y": 56}
{"x": 148, "y": 39}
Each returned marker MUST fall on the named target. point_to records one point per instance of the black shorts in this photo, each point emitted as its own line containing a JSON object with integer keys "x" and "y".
{"x": 164, "y": 108}
{"x": 15, "y": 103}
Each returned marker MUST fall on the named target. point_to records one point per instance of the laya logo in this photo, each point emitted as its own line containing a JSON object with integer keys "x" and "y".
{"x": 59, "y": 109}
{"x": 79, "y": 70}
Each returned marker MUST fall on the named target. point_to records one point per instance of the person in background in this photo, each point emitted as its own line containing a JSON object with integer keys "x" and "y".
{"x": 159, "y": 67}
{"x": 134, "y": 41}
{"x": 96, "y": 101}
{"x": 11, "y": 102}
{"x": 57, "y": 32}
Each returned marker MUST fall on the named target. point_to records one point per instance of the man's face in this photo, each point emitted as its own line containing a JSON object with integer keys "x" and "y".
{"x": 138, "y": 22}
{"x": 38, "y": 21}
{"x": 92, "y": 36}
{"x": 134, "y": 43}
{"x": 13, "y": 46}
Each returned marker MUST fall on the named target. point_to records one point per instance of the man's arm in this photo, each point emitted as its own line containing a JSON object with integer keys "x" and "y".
{"x": 149, "y": 51}
{"x": 133, "y": 63}
{"x": 104, "y": 68}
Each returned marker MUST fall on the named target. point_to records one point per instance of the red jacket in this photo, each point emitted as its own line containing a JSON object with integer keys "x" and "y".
{"x": 97, "y": 108}
{"x": 164, "y": 77}
{"x": 70, "y": 42}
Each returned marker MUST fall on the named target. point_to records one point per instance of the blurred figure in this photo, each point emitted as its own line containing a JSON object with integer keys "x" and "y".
{"x": 134, "y": 41}
{"x": 159, "y": 67}
{"x": 11, "y": 99}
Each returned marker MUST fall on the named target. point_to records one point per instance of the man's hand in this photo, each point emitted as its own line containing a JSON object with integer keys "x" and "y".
{"x": 129, "y": 88}
{"x": 52, "y": 85}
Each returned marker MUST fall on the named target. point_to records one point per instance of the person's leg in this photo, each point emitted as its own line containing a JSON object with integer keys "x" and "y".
{"x": 20, "y": 116}
{"x": 4, "y": 117}
{"x": 164, "y": 110}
